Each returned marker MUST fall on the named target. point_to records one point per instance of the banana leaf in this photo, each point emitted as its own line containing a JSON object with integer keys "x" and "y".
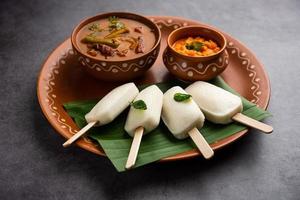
{"x": 159, "y": 143}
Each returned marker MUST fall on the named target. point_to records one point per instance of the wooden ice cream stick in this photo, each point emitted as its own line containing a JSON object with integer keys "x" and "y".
{"x": 201, "y": 143}
{"x": 79, "y": 134}
{"x": 243, "y": 119}
{"x": 134, "y": 149}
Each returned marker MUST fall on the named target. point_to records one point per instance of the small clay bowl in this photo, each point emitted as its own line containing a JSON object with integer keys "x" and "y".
{"x": 124, "y": 69}
{"x": 189, "y": 68}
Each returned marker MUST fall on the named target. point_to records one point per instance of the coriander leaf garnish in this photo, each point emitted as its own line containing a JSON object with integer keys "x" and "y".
{"x": 197, "y": 46}
{"x": 181, "y": 97}
{"x": 95, "y": 27}
{"x": 139, "y": 104}
{"x": 114, "y": 23}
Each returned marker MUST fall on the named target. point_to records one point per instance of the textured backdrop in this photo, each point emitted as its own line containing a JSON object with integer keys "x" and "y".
{"x": 33, "y": 164}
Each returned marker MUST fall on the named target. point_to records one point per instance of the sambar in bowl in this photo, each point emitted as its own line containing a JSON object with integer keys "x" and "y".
{"x": 116, "y": 46}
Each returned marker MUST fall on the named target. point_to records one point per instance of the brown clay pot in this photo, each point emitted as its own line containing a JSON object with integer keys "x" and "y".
{"x": 121, "y": 70}
{"x": 190, "y": 68}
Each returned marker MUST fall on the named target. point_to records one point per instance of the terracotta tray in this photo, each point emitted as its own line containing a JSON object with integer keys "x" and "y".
{"x": 62, "y": 80}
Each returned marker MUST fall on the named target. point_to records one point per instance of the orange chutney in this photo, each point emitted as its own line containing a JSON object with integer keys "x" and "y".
{"x": 197, "y": 46}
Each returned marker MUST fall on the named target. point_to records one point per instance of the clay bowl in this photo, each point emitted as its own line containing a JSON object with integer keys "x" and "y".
{"x": 124, "y": 69}
{"x": 189, "y": 68}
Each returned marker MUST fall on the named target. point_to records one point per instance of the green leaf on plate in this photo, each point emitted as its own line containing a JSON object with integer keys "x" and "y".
{"x": 181, "y": 97}
{"x": 139, "y": 104}
{"x": 159, "y": 143}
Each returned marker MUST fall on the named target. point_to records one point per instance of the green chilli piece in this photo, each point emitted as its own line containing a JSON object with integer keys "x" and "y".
{"x": 95, "y": 40}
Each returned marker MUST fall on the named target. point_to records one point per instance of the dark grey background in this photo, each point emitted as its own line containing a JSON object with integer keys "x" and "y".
{"x": 33, "y": 164}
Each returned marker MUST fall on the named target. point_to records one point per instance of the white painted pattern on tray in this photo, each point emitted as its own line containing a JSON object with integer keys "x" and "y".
{"x": 50, "y": 99}
{"x": 245, "y": 61}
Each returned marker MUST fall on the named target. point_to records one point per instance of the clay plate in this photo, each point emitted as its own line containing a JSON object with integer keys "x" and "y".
{"x": 62, "y": 80}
